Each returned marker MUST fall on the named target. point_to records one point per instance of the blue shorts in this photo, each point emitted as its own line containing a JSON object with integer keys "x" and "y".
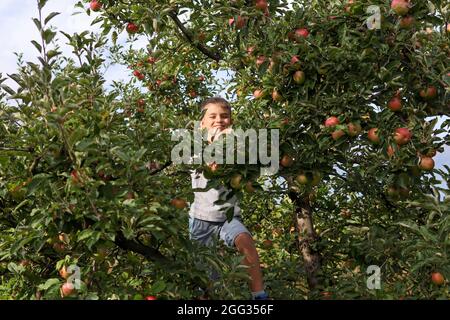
{"x": 207, "y": 232}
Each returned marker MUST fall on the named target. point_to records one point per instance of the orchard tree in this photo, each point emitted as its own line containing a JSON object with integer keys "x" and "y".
{"x": 355, "y": 88}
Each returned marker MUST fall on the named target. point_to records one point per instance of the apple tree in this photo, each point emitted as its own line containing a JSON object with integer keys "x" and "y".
{"x": 356, "y": 89}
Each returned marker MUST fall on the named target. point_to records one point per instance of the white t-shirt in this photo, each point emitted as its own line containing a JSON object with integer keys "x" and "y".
{"x": 203, "y": 206}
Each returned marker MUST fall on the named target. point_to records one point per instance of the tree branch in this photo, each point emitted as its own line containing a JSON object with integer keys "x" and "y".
{"x": 190, "y": 38}
{"x": 147, "y": 252}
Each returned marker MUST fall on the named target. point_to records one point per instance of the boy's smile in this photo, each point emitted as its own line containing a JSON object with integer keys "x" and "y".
{"x": 216, "y": 119}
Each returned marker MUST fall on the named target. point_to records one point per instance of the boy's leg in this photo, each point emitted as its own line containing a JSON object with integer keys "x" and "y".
{"x": 245, "y": 244}
{"x": 234, "y": 233}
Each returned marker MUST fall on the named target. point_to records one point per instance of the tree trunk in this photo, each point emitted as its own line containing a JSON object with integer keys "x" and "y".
{"x": 306, "y": 236}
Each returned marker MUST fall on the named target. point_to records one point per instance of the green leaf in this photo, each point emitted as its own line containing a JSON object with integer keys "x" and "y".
{"x": 37, "y": 45}
{"x": 49, "y": 35}
{"x": 38, "y": 24}
{"x": 158, "y": 287}
{"x": 49, "y": 283}
{"x": 85, "y": 234}
{"x": 41, "y": 4}
{"x": 50, "y": 17}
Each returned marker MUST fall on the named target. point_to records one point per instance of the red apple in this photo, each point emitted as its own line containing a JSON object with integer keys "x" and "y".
{"x": 302, "y": 179}
{"x": 192, "y": 94}
{"x": 301, "y": 33}
{"x": 250, "y": 50}
{"x": 372, "y": 135}
{"x": 239, "y": 23}
{"x": 140, "y": 102}
{"x": 332, "y": 121}
{"x": 400, "y": 7}
{"x": 276, "y": 96}
{"x": 64, "y": 273}
{"x": 132, "y": 28}
{"x": 236, "y": 181}
{"x": 201, "y": 78}
{"x": 138, "y": 75}
{"x": 428, "y": 93}
{"x": 258, "y": 93}
{"x": 299, "y": 77}
{"x": 151, "y": 298}
{"x": 390, "y": 150}
{"x": 437, "y": 278}
{"x": 286, "y": 161}
{"x": 336, "y": 135}
{"x": 402, "y": 136}
{"x": 407, "y": 22}
{"x": 426, "y": 163}
{"x": 95, "y": 5}
{"x": 395, "y": 104}
{"x": 151, "y": 60}
{"x": 260, "y": 60}
{"x": 267, "y": 243}
{"x": 178, "y": 203}
{"x": 67, "y": 289}
{"x": 353, "y": 129}
{"x": 295, "y": 60}
{"x": 261, "y": 5}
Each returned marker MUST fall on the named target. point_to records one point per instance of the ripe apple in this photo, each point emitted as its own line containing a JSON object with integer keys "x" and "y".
{"x": 201, "y": 78}
{"x": 132, "y": 28}
{"x": 302, "y": 179}
{"x": 151, "y": 60}
{"x": 95, "y": 5}
{"x": 402, "y": 136}
{"x": 63, "y": 237}
{"x": 332, "y": 122}
{"x": 240, "y": 22}
{"x": 400, "y": 7}
{"x": 426, "y": 163}
{"x": 67, "y": 289}
{"x": 392, "y": 192}
{"x": 407, "y": 22}
{"x": 286, "y": 161}
{"x": 140, "y": 102}
{"x": 192, "y": 94}
{"x": 295, "y": 60}
{"x": 76, "y": 180}
{"x": 428, "y": 93}
{"x": 267, "y": 243}
{"x": 276, "y": 96}
{"x": 151, "y": 298}
{"x": 354, "y": 129}
{"x": 261, "y": 5}
{"x": 258, "y": 93}
{"x": 302, "y": 33}
{"x": 299, "y": 77}
{"x": 336, "y": 135}
{"x": 260, "y": 60}
{"x": 395, "y": 104}
{"x": 138, "y": 75}
{"x": 437, "y": 278}
{"x": 403, "y": 193}
{"x": 178, "y": 203}
{"x": 390, "y": 150}
{"x": 64, "y": 273}
{"x": 372, "y": 135}
{"x": 249, "y": 187}
{"x": 250, "y": 50}
{"x": 235, "y": 181}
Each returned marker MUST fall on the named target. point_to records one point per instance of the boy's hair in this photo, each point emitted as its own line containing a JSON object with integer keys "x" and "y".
{"x": 214, "y": 100}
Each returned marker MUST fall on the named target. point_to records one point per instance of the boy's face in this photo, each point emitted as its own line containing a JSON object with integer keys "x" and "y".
{"x": 216, "y": 118}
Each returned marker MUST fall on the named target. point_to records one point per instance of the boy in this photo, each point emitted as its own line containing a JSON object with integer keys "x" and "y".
{"x": 206, "y": 221}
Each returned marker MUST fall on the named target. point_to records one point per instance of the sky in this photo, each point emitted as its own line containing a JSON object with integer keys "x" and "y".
{"x": 18, "y": 30}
